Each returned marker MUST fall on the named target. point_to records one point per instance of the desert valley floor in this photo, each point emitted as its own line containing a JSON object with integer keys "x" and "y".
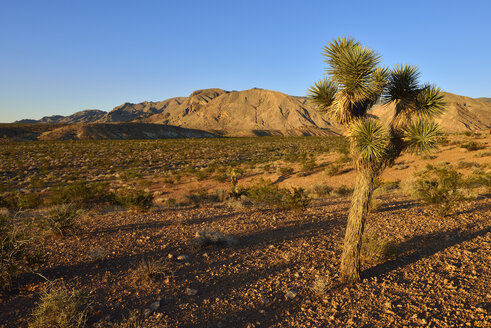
{"x": 273, "y": 267}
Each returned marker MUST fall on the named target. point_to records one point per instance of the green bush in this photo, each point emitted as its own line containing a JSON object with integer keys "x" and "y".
{"x": 472, "y": 146}
{"x": 332, "y": 169}
{"x": 308, "y": 165}
{"x": 321, "y": 190}
{"x": 343, "y": 190}
{"x": 134, "y": 199}
{"x": 82, "y": 193}
{"x": 286, "y": 170}
{"x": 270, "y": 194}
{"x": 441, "y": 187}
{"x": 20, "y": 201}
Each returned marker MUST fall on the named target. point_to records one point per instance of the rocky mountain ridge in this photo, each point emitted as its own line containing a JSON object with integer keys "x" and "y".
{"x": 253, "y": 112}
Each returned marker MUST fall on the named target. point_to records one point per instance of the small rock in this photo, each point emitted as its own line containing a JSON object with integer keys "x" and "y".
{"x": 146, "y": 312}
{"x": 154, "y": 306}
{"x": 291, "y": 294}
{"x": 191, "y": 292}
{"x": 182, "y": 257}
{"x": 170, "y": 256}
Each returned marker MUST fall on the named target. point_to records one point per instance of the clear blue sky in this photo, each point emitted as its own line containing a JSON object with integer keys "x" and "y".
{"x": 59, "y": 57}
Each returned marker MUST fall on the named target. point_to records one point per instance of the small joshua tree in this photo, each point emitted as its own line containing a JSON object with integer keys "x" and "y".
{"x": 354, "y": 84}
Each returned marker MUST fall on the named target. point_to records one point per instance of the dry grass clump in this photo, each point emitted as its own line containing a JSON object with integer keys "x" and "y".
{"x": 149, "y": 270}
{"x": 13, "y": 255}
{"x": 376, "y": 248}
{"x": 322, "y": 285}
{"x": 62, "y": 220}
{"x": 60, "y": 307}
{"x": 209, "y": 237}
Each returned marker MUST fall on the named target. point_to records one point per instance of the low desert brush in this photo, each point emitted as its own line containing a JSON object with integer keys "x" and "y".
{"x": 21, "y": 201}
{"x": 472, "y": 146}
{"x": 151, "y": 270}
{"x": 376, "y": 248}
{"x": 134, "y": 199}
{"x": 333, "y": 169}
{"x": 62, "y": 219}
{"x": 321, "y": 190}
{"x": 343, "y": 190}
{"x": 13, "y": 243}
{"x": 269, "y": 194}
{"x": 82, "y": 193}
{"x": 60, "y": 307}
{"x": 441, "y": 187}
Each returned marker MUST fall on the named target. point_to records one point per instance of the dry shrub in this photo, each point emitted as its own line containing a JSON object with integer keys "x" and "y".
{"x": 13, "y": 243}
{"x": 61, "y": 308}
{"x": 376, "y": 248}
{"x": 150, "y": 270}
{"x": 62, "y": 219}
{"x": 209, "y": 237}
{"x": 321, "y": 190}
{"x": 321, "y": 286}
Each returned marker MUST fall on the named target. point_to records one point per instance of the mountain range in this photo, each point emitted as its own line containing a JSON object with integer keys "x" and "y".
{"x": 253, "y": 112}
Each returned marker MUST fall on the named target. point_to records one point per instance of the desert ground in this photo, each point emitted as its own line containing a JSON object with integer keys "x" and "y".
{"x": 159, "y": 237}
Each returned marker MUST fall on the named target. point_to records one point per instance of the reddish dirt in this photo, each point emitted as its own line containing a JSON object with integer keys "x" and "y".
{"x": 441, "y": 278}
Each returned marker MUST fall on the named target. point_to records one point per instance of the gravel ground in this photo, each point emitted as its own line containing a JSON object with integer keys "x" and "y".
{"x": 282, "y": 272}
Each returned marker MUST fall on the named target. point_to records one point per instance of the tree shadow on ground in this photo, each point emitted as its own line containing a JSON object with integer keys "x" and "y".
{"x": 424, "y": 246}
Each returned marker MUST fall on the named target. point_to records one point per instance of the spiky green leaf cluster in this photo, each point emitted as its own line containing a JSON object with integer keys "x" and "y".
{"x": 322, "y": 94}
{"x": 370, "y": 141}
{"x": 429, "y": 102}
{"x": 421, "y": 136}
{"x": 355, "y": 81}
{"x": 351, "y": 66}
{"x": 410, "y": 98}
{"x": 402, "y": 84}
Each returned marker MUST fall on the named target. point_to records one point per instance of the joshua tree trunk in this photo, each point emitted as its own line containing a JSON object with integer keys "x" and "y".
{"x": 362, "y": 194}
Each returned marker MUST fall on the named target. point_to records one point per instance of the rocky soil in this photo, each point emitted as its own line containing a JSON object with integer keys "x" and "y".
{"x": 282, "y": 272}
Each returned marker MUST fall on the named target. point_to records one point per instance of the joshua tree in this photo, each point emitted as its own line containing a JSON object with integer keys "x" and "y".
{"x": 354, "y": 83}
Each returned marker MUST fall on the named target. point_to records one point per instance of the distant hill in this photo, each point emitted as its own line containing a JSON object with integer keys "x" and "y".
{"x": 81, "y": 131}
{"x": 246, "y": 113}
{"x": 121, "y": 131}
{"x": 486, "y": 99}
{"x": 84, "y": 116}
{"x": 462, "y": 114}
{"x": 254, "y": 112}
